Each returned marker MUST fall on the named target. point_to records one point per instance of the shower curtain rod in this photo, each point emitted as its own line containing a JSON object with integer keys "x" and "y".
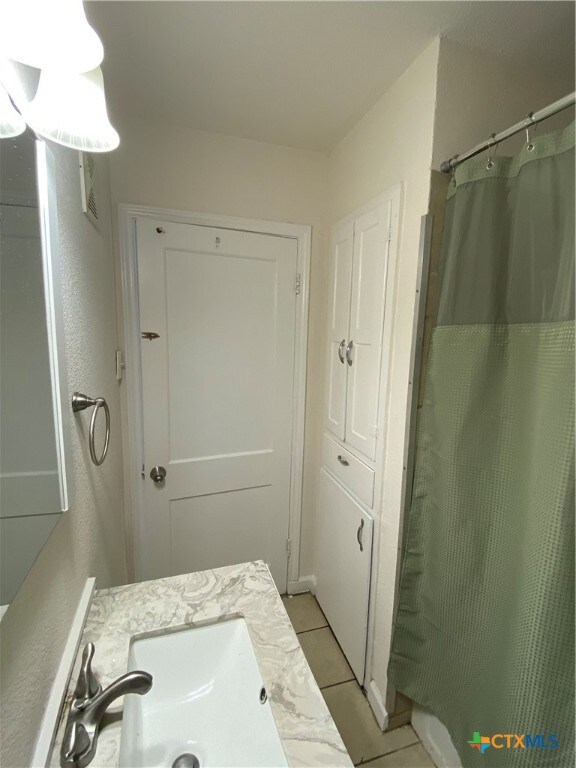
{"x": 533, "y": 118}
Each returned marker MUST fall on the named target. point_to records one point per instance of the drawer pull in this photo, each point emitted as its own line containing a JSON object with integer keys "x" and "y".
{"x": 359, "y": 533}
{"x": 345, "y": 462}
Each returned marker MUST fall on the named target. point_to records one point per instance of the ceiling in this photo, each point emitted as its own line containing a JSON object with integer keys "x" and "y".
{"x": 300, "y": 73}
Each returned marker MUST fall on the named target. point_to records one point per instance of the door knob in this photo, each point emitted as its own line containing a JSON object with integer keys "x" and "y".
{"x": 158, "y": 474}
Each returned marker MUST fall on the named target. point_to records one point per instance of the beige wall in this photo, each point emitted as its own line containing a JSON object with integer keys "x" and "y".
{"x": 88, "y": 540}
{"x": 170, "y": 167}
{"x": 481, "y": 94}
{"x": 392, "y": 143}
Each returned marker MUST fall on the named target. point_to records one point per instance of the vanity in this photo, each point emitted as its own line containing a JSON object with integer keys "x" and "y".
{"x": 122, "y": 620}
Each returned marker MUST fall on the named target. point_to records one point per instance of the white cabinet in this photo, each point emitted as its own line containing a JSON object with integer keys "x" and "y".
{"x": 359, "y": 260}
{"x": 344, "y": 556}
{"x": 361, "y": 279}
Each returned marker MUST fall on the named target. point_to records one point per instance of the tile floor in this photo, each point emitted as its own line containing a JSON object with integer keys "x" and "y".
{"x": 367, "y": 745}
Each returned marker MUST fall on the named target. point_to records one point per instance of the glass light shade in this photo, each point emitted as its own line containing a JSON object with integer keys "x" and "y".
{"x": 19, "y": 80}
{"x": 70, "y": 109}
{"x": 49, "y": 34}
{"x": 11, "y": 121}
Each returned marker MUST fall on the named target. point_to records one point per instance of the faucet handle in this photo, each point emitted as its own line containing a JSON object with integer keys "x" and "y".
{"x": 87, "y": 686}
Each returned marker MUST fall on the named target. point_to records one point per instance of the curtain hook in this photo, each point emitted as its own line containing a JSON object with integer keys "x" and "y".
{"x": 492, "y": 143}
{"x": 453, "y": 174}
{"x": 528, "y": 123}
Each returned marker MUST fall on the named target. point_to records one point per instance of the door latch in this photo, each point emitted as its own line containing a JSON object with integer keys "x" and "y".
{"x": 150, "y": 335}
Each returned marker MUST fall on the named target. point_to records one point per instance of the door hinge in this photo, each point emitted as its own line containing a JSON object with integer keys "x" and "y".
{"x": 289, "y": 548}
{"x": 120, "y": 365}
{"x": 389, "y": 237}
{"x": 298, "y": 283}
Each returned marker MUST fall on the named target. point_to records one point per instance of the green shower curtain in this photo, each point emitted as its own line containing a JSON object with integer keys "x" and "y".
{"x": 484, "y": 633}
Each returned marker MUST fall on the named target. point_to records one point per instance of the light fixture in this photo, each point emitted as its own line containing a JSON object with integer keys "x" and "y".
{"x": 11, "y": 121}
{"x": 49, "y": 70}
{"x": 19, "y": 80}
{"x": 51, "y": 34}
{"x": 70, "y": 109}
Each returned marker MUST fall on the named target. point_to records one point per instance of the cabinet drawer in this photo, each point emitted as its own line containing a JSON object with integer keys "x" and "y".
{"x": 349, "y": 470}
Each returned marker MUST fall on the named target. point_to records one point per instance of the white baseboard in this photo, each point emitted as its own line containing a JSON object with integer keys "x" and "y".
{"x": 377, "y": 703}
{"x": 47, "y": 734}
{"x": 435, "y": 738}
{"x": 303, "y": 584}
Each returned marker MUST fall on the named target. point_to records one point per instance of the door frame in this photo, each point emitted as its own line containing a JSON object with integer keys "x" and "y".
{"x": 132, "y": 370}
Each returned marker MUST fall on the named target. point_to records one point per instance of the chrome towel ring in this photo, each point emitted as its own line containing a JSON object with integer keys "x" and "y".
{"x": 79, "y": 403}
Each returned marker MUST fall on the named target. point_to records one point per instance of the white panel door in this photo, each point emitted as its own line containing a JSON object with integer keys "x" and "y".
{"x": 217, "y": 395}
{"x": 339, "y": 319}
{"x": 371, "y": 244}
{"x": 343, "y": 569}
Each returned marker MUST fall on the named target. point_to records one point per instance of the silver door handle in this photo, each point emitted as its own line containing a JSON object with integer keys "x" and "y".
{"x": 349, "y": 352}
{"x": 158, "y": 474}
{"x": 343, "y": 461}
{"x": 359, "y": 535}
{"x": 341, "y": 350}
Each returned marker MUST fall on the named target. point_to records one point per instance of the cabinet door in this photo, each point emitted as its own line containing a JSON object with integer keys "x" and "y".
{"x": 339, "y": 318}
{"x": 371, "y": 244}
{"x": 343, "y": 569}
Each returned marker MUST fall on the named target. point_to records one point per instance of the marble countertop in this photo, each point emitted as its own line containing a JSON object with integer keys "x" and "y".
{"x": 306, "y": 728}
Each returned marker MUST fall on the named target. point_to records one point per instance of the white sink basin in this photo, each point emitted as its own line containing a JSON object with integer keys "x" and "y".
{"x": 205, "y": 700}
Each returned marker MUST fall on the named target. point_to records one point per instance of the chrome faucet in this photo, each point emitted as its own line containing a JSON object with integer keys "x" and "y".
{"x": 88, "y": 706}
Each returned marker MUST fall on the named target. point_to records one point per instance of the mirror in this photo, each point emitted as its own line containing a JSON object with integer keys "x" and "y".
{"x": 34, "y": 428}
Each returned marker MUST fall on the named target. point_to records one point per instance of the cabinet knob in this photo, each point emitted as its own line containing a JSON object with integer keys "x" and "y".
{"x": 341, "y": 349}
{"x": 345, "y": 462}
{"x": 349, "y": 352}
